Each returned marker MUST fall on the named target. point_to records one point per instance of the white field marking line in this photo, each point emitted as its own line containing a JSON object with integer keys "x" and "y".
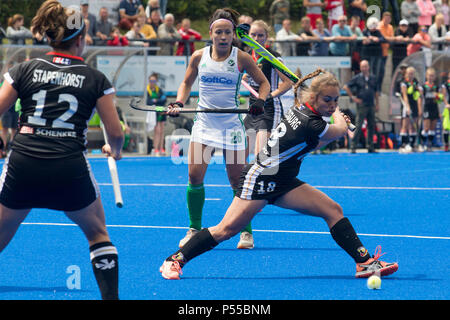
{"x": 273, "y": 231}
{"x": 320, "y": 187}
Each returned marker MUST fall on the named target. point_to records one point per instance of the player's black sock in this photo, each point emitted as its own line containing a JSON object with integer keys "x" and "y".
{"x": 446, "y": 136}
{"x": 346, "y": 237}
{"x": 424, "y": 137}
{"x": 198, "y": 244}
{"x": 412, "y": 138}
{"x": 404, "y": 138}
{"x": 431, "y": 135}
{"x": 105, "y": 264}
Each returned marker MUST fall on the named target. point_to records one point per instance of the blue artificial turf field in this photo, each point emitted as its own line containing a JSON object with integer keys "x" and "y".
{"x": 393, "y": 200}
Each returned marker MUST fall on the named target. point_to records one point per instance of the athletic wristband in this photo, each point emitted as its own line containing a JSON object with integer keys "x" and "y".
{"x": 178, "y": 103}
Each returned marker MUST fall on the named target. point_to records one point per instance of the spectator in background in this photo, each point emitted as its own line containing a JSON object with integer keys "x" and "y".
{"x": 423, "y": 40}
{"x": 357, "y": 8}
{"x": 442, "y": 6}
{"x": 342, "y": 35}
{"x": 363, "y": 89}
{"x": 287, "y": 48}
{"x": 186, "y": 33}
{"x": 321, "y": 48}
{"x": 155, "y": 20}
{"x": 152, "y": 6}
{"x": 279, "y": 11}
{"x": 156, "y": 96}
{"x": 117, "y": 39}
{"x": 356, "y": 47}
{"x": 395, "y": 9}
{"x": 313, "y": 10}
{"x": 38, "y": 39}
{"x": 89, "y": 40}
{"x": 92, "y": 28}
{"x": 104, "y": 26}
{"x": 167, "y": 31}
{"x": 371, "y": 48}
{"x": 16, "y": 32}
{"x": 402, "y": 35}
{"x": 129, "y": 11}
{"x": 427, "y": 12}
{"x": 438, "y": 32}
{"x": 145, "y": 29}
{"x": 135, "y": 36}
{"x": 411, "y": 13}
{"x": 245, "y": 19}
{"x": 305, "y": 31}
{"x": 387, "y": 30}
{"x": 335, "y": 9}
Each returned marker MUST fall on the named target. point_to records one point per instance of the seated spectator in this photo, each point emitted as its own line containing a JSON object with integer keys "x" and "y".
{"x": 321, "y": 48}
{"x": 342, "y": 35}
{"x": 371, "y": 48}
{"x": 411, "y": 13}
{"x": 129, "y": 11}
{"x": 427, "y": 12}
{"x": 402, "y": 35}
{"x": 167, "y": 31}
{"x": 305, "y": 31}
{"x": 285, "y": 36}
{"x": 135, "y": 36}
{"x": 443, "y": 7}
{"x": 16, "y": 32}
{"x": 358, "y": 8}
{"x": 335, "y": 9}
{"x": 92, "y": 26}
{"x": 186, "y": 33}
{"x": 438, "y": 31}
{"x": 421, "y": 39}
{"x": 117, "y": 39}
{"x": 155, "y": 19}
{"x": 104, "y": 26}
{"x": 146, "y": 29}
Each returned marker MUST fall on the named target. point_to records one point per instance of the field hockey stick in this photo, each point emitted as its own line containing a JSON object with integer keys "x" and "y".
{"x": 114, "y": 175}
{"x": 242, "y": 33}
{"x": 410, "y": 117}
{"x": 250, "y": 89}
{"x": 134, "y": 103}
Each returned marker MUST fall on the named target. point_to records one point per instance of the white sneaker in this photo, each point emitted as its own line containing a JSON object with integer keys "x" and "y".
{"x": 191, "y": 232}
{"x": 246, "y": 241}
{"x": 408, "y": 148}
{"x": 420, "y": 148}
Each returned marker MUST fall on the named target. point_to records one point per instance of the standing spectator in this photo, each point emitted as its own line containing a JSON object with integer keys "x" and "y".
{"x": 357, "y": 8}
{"x": 411, "y": 13}
{"x": 285, "y": 37}
{"x": 402, "y": 35}
{"x": 186, "y": 33}
{"x": 167, "y": 31}
{"x": 117, "y": 39}
{"x": 371, "y": 48}
{"x": 438, "y": 32}
{"x": 421, "y": 39}
{"x": 305, "y": 31}
{"x": 363, "y": 89}
{"x": 335, "y": 9}
{"x": 92, "y": 28}
{"x": 321, "y": 48}
{"x": 395, "y": 9}
{"x": 15, "y": 31}
{"x": 104, "y": 26}
{"x": 89, "y": 40}
{"x": 442, "y": 6}
{"x": 279, "y": 11}
{"x": 155, "y": 19}
{"x": 156, "y": 96}
{"x": 427, "y": 12}
{"x": 342, "y": 34}
{"x": 356, "y": 46}
{"x": 135, "y": 36}
{"x": 387, "y": 30}
{"x": 313, "y": 10}
{"x": 129, "y": 11}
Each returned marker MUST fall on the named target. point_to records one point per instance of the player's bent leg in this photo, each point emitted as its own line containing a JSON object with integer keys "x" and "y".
{"x": 103, "y": 254}
{"x": 308, "y": 200}
{"x": 10, "y": 220}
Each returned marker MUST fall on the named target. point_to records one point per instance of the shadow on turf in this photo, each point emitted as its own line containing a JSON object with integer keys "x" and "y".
{"x": 278, "y": 249}
{"x": 31, "y": 289}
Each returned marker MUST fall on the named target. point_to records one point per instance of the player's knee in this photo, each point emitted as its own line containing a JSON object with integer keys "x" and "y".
{"x": 336, "y": 210}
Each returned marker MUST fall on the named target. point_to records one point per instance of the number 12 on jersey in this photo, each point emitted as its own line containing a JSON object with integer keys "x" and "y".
{"x": 59, "y": 122}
